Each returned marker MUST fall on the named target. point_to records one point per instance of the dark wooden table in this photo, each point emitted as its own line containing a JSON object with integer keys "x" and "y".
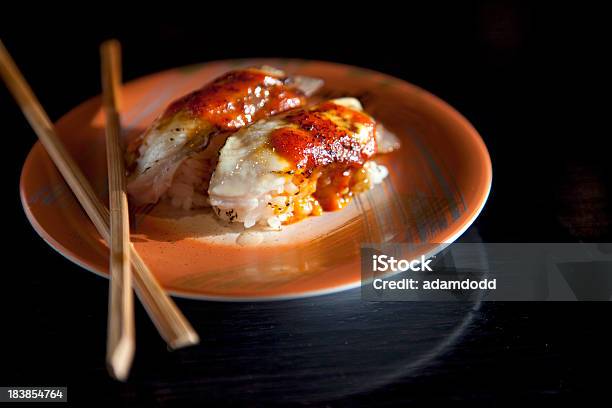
{"x": 516, "y": 72}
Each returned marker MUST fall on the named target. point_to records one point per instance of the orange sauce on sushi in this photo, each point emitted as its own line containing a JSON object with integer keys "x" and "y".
{"x": 324, "y": 138}
{"x": 238, "y": 98}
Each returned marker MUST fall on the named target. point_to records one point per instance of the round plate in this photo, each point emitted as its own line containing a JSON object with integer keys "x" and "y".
{"x": 438, "y": 183}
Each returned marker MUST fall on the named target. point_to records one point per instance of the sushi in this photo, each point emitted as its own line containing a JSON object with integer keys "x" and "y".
{"x": 176, "y": 155}
{"x": 307, "y": 161}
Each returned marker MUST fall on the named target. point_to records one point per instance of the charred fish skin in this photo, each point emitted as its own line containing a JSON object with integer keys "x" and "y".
{"x": 307, "y": 161}
{"x": 236, "y": 99}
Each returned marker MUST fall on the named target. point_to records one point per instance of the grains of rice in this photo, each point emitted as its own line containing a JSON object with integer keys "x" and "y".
{"x": 281, "y": 203}
{"x": 291, "y": 188}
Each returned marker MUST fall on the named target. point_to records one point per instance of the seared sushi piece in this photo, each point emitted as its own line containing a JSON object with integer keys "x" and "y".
{"x": 176, "y": 155}
{"x": 283, "y": 169}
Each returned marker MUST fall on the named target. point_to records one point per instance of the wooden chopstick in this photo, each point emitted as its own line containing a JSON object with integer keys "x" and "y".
{"x": 120, "y": 343}
{"x": 170, "y": 322}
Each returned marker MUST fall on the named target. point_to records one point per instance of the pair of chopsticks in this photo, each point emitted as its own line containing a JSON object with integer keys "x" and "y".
{"x": 112, "y": 226}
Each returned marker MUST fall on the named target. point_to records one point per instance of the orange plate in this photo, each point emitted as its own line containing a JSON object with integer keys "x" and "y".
{"x": 439, "y": 181}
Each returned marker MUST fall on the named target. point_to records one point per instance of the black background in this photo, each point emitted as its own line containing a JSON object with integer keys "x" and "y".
{"x": 529, "y": 78}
